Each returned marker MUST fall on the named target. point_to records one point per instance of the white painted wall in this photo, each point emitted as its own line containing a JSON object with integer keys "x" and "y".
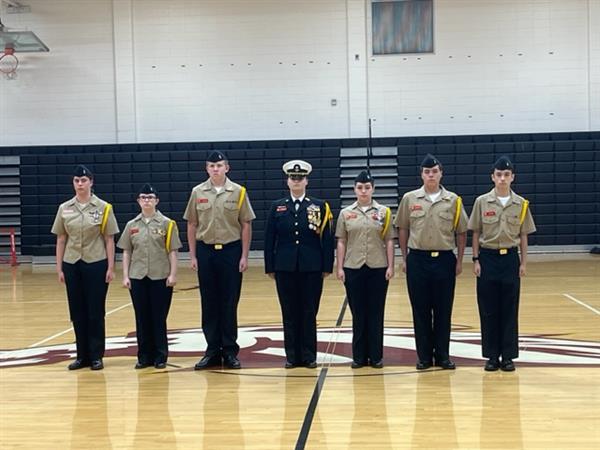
{"x": 183, "y": 70}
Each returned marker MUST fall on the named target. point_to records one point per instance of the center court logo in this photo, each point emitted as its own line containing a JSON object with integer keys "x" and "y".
{"x": 262, "y": 347}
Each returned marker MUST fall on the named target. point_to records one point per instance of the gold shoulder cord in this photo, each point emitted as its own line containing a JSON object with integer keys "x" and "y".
{"x": 169, "y": 234}
{"x": 242, "y": 196}
{"x": 388, "y": 218}
{"x": 328, "y": 217}
{"x": 107, "y": 209}
{"x": 457, "y": 213}
{"x": 523, "y": 212}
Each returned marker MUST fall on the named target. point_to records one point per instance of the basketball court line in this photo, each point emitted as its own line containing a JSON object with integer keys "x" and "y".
{"x": 43, "y": 341}
{"x": 585, "y": 305}
{"x": 312, "y": 406}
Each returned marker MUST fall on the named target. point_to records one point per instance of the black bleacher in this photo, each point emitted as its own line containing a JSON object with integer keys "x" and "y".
{"x": 173, "y": 170}
{"x": 558, "y": 172}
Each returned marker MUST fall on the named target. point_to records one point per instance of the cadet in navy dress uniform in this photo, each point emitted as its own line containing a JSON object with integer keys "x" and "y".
{"x": 85, "y": 255}
{"x": 432, "y": 223}
{"x": 299, "y": 253}
{"x": 150, "y": 242}
{"x": 501, "y": 222}
{"x": 219, "y": 230}
{"x": 365, "y": 263}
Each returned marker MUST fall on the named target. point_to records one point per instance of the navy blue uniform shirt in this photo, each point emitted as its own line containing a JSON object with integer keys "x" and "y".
{"x": 299, "y": 240}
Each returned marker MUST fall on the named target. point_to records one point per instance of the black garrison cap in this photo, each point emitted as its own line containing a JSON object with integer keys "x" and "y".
{"x": 364, "y": 177}
{"x": 147, "y": 189}
{"x": 216, "y": 156}
{"x": 82, "y": 171}
{"x": 503, "y": 163}
{"x": 430, "y": 161}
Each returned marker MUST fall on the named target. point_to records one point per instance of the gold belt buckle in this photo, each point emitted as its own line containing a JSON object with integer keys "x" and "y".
{"x": 503, "y": 251}
{"x": 218, "y": 246}
{"x": 435, "y": 254}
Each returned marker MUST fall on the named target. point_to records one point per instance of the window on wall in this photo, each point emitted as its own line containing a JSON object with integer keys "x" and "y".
{"x": 404, "y": 26}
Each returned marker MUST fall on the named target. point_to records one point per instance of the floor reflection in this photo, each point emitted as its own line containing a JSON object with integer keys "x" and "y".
{"x": 221, "y": 412}
{"x": 434, "y": 425}
{"x": 154, "y": 425}
{"x": 500, "y": 412}
{"x": 370, "y": 427}
{"x": 90, "y": 419}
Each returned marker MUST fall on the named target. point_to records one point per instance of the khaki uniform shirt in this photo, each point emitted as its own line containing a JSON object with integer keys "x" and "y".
{"x": 82, "y": 228}
{"x": 217, "y": 216}
{"x": 430, "y": 225}
{"x": 500, "y": 226}
{"x": 146, "y": 242}
{"x": 362, "y": 232}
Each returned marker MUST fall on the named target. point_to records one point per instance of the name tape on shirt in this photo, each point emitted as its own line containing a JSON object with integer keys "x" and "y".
{"x": 416, "y": 207}
{"x": 489, "y": 213}
{"x": 201, "y": 200}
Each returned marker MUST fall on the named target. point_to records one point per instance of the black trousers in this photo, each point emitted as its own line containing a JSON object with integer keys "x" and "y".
{"x": 299, "y": 297}
{"x": 366, "y": 290}
{"x": 498, "y": 290}
{"x": 220, "y": 285}
{"x": 86, "y": 292}
{"x": 151, "y": 301}
{"x": 431, "y": 281}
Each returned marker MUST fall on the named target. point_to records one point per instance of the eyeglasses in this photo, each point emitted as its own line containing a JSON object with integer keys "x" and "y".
{"x": 147, "y": 197}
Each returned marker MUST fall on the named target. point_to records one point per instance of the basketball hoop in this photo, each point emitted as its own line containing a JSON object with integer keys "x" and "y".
{"x": 9, "y": 63}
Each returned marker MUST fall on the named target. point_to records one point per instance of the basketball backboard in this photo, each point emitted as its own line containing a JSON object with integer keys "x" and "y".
{"x": 21, "y": 41}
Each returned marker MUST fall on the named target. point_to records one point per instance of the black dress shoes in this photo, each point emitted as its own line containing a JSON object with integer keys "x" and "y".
{"x": 507, "y": 365}
{"x": 492, "y": 365}
{"x": 377, "y": 364}
{"x": 231, "y": 362}
{"x": 97, "y": 364}
{"x": 160, "y": 365}
{"x": 310, "y": 365}
{"x": 446, "y": 364}
{"x": 290, "y": 365}
{"x": 357, "y": 365}
{"x": 208, "y": 361}
{"x": 422, "y": 365}
{"x": 78, "y": 364}
{"x": 141, "y": 365}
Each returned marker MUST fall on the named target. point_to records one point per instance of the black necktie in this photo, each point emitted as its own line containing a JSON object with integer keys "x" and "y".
{"x": 297, "y": 204}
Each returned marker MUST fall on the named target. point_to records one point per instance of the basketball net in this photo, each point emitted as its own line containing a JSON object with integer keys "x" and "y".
{"x": 9, "y": 63}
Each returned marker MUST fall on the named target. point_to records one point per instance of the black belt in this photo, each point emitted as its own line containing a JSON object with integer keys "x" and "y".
{"x": 498, "y": 251}
{"x": 219, "y": 246}
{"x": 431, "y": 253}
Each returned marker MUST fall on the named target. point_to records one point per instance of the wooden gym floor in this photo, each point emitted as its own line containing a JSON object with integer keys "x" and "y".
{"x": 552, "y": 401}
